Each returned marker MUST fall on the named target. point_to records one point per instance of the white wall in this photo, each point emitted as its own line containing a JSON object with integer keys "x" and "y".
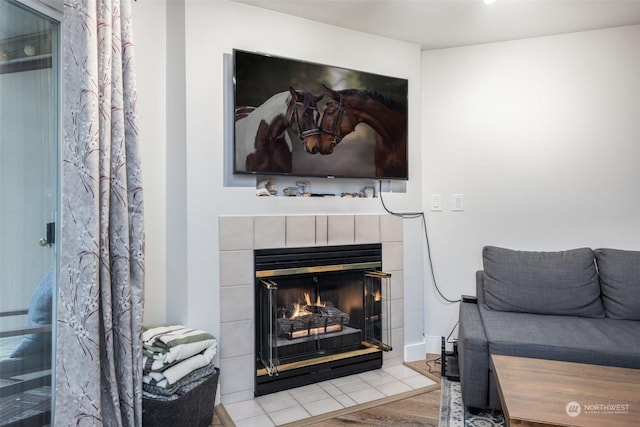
{"x": 185, "y": 285}
{"x": 150, "y": 37}
{"x": 542, "y": 138}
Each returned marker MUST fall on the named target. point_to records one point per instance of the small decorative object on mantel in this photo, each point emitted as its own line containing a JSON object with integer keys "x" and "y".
{"x": 266, "y": 188}
{"x": 290, "y": 191}
{"x": 304, "y": 188}
{"x": 350, "y": 195}
{"x": 369, "y": 192}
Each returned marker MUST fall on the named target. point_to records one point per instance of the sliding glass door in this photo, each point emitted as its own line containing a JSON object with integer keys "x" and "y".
{"x": 29, "y": 59}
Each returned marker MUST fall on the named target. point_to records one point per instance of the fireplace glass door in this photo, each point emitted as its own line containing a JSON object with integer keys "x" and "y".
{"x": 311, "y": 315}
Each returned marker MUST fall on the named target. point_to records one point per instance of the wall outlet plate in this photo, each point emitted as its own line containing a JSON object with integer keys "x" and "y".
{"x": 436, "y": 202}
{"x": 458, "y": 203}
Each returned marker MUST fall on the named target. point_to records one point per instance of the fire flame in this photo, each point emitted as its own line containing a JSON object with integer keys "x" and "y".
{"x": 377, "y": 296}
{"x": 296, "y": 311}
{"x": 300, "y": 309}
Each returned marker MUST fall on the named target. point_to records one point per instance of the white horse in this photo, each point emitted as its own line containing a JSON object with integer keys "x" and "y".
{"x": 262, "y": 140}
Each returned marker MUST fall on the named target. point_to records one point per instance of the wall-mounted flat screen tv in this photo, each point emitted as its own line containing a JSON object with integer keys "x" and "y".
{"x": 305, "y": 119}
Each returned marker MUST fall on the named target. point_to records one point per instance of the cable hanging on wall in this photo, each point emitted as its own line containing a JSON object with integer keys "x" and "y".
{"x": 414, "y": 215}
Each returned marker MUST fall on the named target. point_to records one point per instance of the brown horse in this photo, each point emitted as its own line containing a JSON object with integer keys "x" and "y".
{"x": 388, "y": 118}
{"x": 262, "y": 136}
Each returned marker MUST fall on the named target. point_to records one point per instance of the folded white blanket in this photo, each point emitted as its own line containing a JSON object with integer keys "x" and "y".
{"x": 171, "y": 375}
{"x": 165, "y": 345}
{"x": 149, "y": 335}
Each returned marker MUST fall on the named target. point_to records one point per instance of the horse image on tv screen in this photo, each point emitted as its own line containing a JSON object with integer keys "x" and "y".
{"x": 263, "y": 140}
{"x": 305, "y": 119}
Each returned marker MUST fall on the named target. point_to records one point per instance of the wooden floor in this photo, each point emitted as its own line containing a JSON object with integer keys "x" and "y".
{"x": 421, "y": 409}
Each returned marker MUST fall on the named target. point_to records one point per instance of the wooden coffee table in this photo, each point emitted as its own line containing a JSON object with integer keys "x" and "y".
{"x": 536, "y": 392}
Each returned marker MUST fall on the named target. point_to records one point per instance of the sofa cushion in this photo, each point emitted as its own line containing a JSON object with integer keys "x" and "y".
{"x": 560, "y": 283}
{"x": 620, "y": 282}
{"x": 609, "y": 342}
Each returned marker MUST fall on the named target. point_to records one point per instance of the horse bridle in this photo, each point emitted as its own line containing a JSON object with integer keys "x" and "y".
{"x": 302, "y": 134}
{"x": 335, "y": 132}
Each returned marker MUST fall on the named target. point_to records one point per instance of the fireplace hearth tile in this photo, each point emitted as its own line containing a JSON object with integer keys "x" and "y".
{"x": 236, "y": 233}
{"x": 392, "y": 258}
{"x": 366, "y": 395}
{"x": 270, "y": 232}
{"x": 391, "y": 228}
{"x": 354, "y": 384}
{"x": 394, "y": 387}
{"x": 301, "y": 231}
{"x": 234, "y": 297}
{"x": 310, "y": 395}
{"x": 418, "y": 381}
{"x": 321, "y": 230}
{"x": 397, "y": 288}
{"x": 330, "y": 388}
{"x": 377, "y": 378}
{"x": 236, "y": 268}
{"x": 229, "y": 379}
{"x": 395, "y": 357}
{"x": 341, "y": 230}
{"x": 246, "y": 409}
{"x": 239, "y": 347}
{"x": 345, "y": 400}
{"x": 277, "y": 401}
{"x": 323, "y": 406}
{"x": 401, "y": 372}
{"x": 289, "y": 415}
{"x": 397, "y": 308}
{"x": 259, "y": 421}
{"x": 367, "y": 229}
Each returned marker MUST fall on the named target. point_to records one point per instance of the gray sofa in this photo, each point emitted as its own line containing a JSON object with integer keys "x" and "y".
{"x": 580, "y": 305}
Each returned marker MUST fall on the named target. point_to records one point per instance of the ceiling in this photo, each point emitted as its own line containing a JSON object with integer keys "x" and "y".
{"x": 433, "y": 24}
{"x": 436, "y": 24}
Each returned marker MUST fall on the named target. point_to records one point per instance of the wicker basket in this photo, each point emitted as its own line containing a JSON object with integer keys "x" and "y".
{"x": 195, "y": 408}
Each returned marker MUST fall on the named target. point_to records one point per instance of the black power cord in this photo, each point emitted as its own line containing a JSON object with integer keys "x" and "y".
{"x": 413, "y": 215}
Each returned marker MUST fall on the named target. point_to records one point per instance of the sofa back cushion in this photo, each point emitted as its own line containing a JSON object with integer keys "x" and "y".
{"x": 560, "y": 283}
{"x": 620, "y": 282}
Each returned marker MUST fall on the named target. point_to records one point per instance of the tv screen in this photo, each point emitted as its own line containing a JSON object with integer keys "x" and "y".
{"x": 305, "y": 119}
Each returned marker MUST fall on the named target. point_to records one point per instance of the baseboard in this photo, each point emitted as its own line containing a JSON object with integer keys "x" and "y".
{"x": 415, "y": 352}
{"x": 433, "y": 344}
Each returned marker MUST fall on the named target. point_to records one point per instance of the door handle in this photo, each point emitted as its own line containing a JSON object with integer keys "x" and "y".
{"x": 51, "y": 235}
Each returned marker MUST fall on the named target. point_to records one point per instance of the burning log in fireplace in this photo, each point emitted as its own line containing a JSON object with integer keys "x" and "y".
{"x": 299, "y": 320}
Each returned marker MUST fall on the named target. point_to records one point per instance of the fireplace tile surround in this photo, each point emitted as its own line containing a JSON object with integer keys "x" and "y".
{"x": 240, "y": 235}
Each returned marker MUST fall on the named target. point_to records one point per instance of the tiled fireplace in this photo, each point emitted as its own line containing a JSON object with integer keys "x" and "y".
{"x": 241, "y": 236}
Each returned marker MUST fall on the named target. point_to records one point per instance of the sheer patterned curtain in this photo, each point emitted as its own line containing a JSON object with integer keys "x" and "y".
{"x": 100, "y": 303}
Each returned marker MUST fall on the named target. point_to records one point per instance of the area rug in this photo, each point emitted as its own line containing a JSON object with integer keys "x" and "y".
{"x": 453, "y": 413}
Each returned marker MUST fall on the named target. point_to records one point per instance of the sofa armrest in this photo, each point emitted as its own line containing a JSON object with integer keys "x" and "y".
{"x": 473, "y": 357}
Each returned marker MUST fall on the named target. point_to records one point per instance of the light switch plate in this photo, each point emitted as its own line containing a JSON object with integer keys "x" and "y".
{"x": 458, "y": 203}
{"x": 436, "y": 202}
